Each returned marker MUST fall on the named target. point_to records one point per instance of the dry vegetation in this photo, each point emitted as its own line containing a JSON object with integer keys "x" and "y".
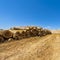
{"x": 33, "y": 48}
{"x": 29, "y": 44}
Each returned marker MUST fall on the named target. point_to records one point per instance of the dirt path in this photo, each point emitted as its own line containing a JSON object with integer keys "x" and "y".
{"x": 35, "y": 48}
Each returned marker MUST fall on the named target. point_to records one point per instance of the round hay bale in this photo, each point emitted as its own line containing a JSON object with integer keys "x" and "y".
{"x": 43, "y": 32}
{"x": 1, "y": 32}
{"x": 7, "y": 34}
{"x": 28, "y": 33}
{"x": 34, "y": 31}
{"x": 1, "y": 39}
{"x": 40, "y": 32}
{"x": 47, "y": 31}
{"x": 17, "y": 36}
{"x": 23, "y": 34}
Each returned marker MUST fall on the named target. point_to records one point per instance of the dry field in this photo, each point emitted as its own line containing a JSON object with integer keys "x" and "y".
{"x": 34, "y": 48}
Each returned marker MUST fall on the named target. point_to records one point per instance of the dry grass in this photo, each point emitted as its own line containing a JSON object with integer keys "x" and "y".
{"x": 34, "y": 48}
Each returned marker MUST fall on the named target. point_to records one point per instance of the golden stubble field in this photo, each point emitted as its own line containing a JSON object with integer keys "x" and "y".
{"x": 34, "y": 48}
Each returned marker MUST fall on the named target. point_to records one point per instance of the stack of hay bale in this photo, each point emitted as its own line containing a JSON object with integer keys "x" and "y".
{"x": 7, "y": 35}
{"x": 1, "y": 37}
{"x": 17, "y": 36}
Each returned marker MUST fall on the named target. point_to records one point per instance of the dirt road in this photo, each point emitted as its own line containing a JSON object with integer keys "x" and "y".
{"x": 35, "y": 48}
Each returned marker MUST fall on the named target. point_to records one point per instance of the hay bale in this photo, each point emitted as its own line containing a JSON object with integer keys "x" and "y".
{"x": 44, "y": 32}
{"x": 1, "y": 39}
{"x": 41, "y": 32}
{"x": 28, "y": 33}
{"x": 1, "y": 32}
{"x": 7, "y": 34}
{"x": 23, "y": 34}
{"x": 47, "y": 31}
{"x": 15, "y": 28}
{"x": 34, "y": 31}
{"x": 17, "y": 36}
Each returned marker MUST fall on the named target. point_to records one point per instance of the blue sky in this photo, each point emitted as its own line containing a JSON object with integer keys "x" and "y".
{"x": 45, "y": 13}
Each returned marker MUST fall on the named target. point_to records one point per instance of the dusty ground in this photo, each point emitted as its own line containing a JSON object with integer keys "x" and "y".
{"x": 35, "y": 48}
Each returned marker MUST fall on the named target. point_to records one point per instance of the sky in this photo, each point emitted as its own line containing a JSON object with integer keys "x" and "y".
{"x": 45, "y": 13}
